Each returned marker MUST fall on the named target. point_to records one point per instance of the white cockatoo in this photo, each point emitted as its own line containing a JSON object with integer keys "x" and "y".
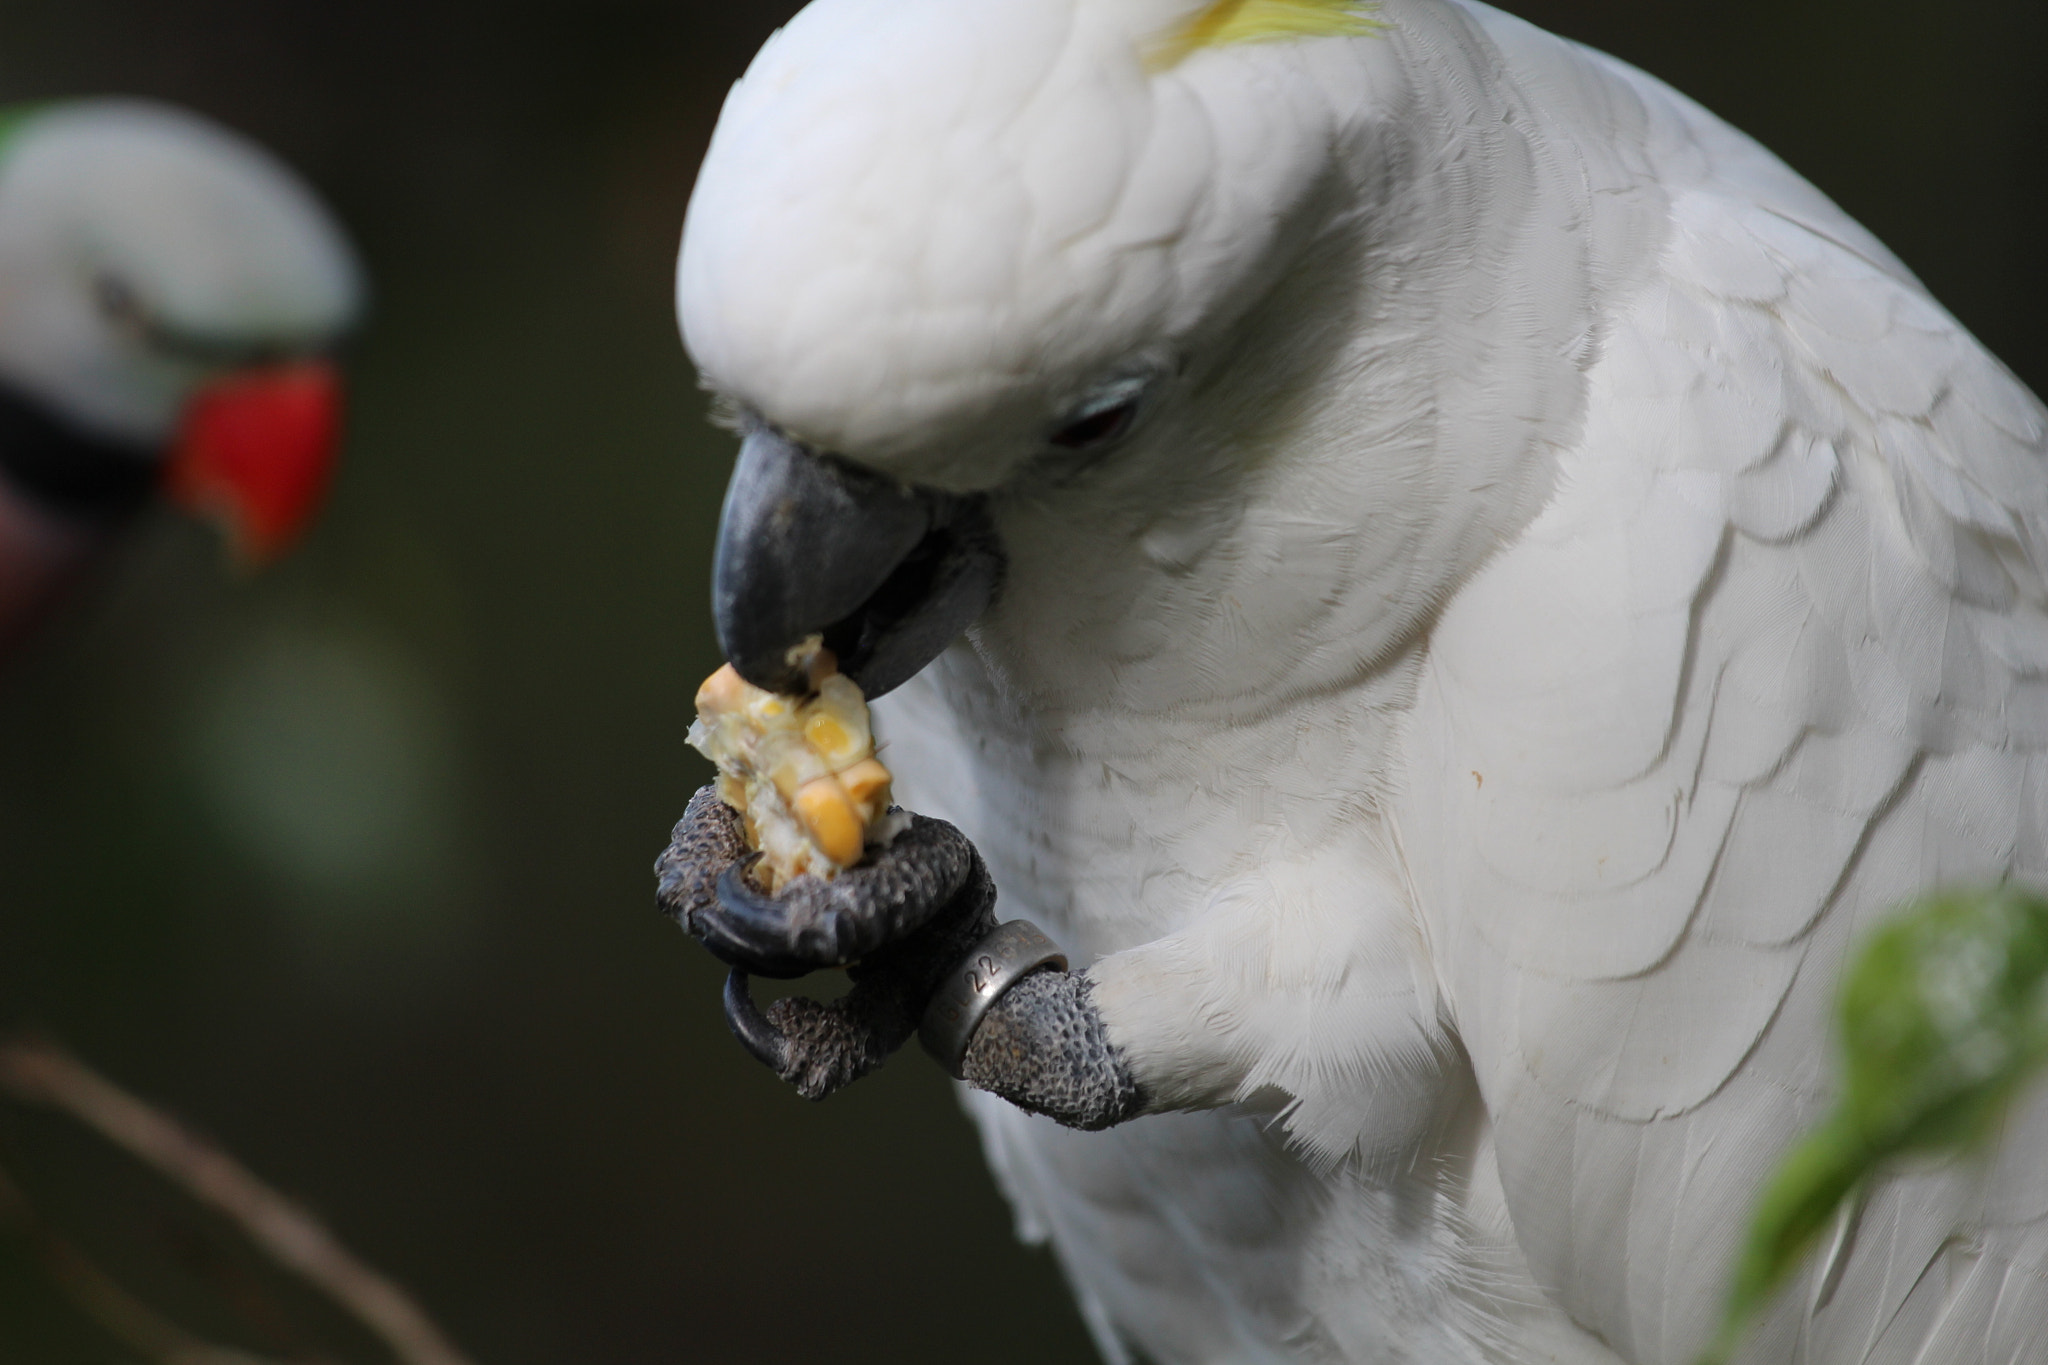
{"x": 168, "y": 291}
{"x": 1478, "y": 585}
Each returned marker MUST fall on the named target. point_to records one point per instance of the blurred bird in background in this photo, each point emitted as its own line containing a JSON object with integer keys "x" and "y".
{"x": 168, "y": 296}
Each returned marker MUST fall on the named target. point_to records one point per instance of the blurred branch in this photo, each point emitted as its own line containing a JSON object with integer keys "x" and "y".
{"x": 41, "y": 1073}
{"x": 126, "y": 1318}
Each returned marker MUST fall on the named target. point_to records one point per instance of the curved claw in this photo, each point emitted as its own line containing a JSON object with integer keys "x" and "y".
{"x": 813, "y": 923}
{"x": 768, "y": 1044}
{"x": 752, "y": 931}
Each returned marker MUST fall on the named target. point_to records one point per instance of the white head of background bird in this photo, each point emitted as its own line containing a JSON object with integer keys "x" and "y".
{"x": 967, "y": 244}
{"x": 168, "y": 293}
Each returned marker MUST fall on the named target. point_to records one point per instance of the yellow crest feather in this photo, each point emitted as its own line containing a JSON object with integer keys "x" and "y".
{"x": 1223, "y": 22}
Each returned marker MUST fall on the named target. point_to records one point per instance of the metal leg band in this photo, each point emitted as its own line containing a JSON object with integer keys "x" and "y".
{"x": 1010, "y": 953}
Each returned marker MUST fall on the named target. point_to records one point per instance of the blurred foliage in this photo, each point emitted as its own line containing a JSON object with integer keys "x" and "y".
{"x": 1943, "y": 1016}
{"x": 349, "y": 864}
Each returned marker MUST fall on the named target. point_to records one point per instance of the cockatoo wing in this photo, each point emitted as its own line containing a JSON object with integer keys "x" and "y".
{"x": 1774, "y": 657}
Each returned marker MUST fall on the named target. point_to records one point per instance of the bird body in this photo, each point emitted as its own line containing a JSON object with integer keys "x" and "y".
{"x": 167, "y": 292}
{"x": 1564, "y": 582}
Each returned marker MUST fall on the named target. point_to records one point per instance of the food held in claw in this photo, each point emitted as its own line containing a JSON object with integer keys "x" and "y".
{"x": 801, "y": 771}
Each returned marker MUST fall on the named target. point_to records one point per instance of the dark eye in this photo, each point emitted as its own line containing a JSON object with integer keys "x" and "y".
{"x": 117, "y": 301}
{"x": 1098, "y": 427}
{"x": 123, "y": 308}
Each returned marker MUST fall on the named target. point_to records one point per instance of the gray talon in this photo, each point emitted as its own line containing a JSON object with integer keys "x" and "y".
{"x": 748, "y": 928}
{"x": 886, "y": 897}
{"x": 768, "y": 1044}
{"x": 896, "y": 921}
{"x": 810, "y": 923}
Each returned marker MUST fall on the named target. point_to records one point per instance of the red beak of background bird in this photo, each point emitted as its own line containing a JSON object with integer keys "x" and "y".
{"x": 255, "y": 451}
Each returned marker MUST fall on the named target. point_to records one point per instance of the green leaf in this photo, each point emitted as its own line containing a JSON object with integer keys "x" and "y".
{"x": 1943, "y": 1015}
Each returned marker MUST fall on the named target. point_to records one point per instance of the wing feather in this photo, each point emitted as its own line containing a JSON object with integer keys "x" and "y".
{"x": 1774, "y": 658}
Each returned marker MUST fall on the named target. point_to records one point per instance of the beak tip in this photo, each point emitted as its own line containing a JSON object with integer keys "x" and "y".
{"x": 256, "y": 453}
{"x": 754, "y": 643}
{"x": 777, "y": 677}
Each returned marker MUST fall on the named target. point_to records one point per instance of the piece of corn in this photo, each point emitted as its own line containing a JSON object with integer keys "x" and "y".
{"x": 828, "y": 816}
{"x": 802, "y": 772}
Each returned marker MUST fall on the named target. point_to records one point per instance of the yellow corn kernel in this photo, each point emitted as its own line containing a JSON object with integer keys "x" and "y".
{"x": 830, "y": 819}
{"x": 867, "y": 783}
{"x": 723, "y": 691}
{"x": 824, "y": 733}
{"x": 733, "y": 792}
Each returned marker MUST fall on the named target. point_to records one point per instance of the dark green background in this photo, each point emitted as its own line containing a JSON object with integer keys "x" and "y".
{"x": 348, "y": 865}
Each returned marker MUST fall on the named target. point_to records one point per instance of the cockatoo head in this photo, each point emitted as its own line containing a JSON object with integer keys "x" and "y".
{"x": 168, "y": 291}
{"x": 944, "y": 250}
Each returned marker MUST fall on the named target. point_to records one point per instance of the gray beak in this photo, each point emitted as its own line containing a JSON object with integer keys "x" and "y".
{"x": 810, "y": 545}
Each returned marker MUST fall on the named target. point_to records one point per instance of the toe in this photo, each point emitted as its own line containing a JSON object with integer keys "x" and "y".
{"x": 706, "y": 841}
{"x": 772, "y": 936}
{"x": 889, "y": 895}
{"x": 811, "y": 923}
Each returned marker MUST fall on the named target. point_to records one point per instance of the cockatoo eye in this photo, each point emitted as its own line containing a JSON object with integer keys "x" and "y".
{"x": 1104, "y": 416}
{"x": 1097, "y": 428}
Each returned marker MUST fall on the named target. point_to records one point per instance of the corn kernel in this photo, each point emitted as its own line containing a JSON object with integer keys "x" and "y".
{"x": 722, "y": 692}
{"x": 830, "y": 818}
{"x": 827, "y": 736}
{"x": 733, "y": 792}
{"x": 867, "y": 783}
